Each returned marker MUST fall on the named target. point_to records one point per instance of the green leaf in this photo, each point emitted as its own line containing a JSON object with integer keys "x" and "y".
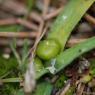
{"x": 6, "y": 65}
{"x": 13, "y": 48}
{"x": 11, "y": 80}
{"x": 20, "y": 92}
{"x": 62, "y": 28}
{"x": 41, "y": 73}
{"x": 65, "y": 58}
{"x": 43, "y": 88}
{"x": 25, "y": 50}
{"x": 9, "y": 89}
{"x": 61, "y": 81}
{"x": 68, "y": 19}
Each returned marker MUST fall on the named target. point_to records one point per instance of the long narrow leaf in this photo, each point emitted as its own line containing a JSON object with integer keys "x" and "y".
{"x": 66, "y": 57}
{"x": 68, "y": 19}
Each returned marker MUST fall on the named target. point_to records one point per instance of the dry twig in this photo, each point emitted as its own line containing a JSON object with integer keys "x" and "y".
{"x": 27, "y": 24}
{"x": 18, "y": 34}
{"x": 13, "y": 7}
{"x": 53, "y": 14}
{"x": 8, "y": 21}
{"x": 35, "y": 16}
{"x": 80, "y": 89}
{"x": 65, "y": 89}
{"x": 19, "y": 42}
{"x": 46, "y": 6}
{"x": 90, "y": 19}
{"x": 73, "y": 41}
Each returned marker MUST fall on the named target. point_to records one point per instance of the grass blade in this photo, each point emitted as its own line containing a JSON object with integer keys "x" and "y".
{"x": 66, "y": 57}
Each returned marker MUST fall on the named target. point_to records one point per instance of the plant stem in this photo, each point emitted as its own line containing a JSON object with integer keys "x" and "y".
{"x": 11, "y": 80}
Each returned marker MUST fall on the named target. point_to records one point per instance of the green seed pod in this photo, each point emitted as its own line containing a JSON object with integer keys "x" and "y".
{"x": 48, "y": 49}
